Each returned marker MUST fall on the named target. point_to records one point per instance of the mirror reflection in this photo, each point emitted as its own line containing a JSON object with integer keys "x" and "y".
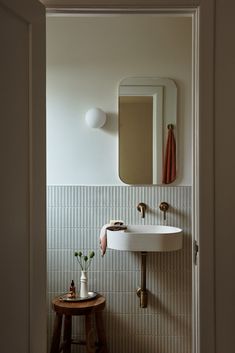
{"x": 147, "y": 151}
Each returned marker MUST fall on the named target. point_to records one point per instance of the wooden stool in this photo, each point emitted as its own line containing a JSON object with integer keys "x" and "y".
{"x": 87, "y": 308}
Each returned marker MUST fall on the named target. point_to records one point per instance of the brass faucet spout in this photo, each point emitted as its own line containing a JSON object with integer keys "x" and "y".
{"x": 141, "y": 207}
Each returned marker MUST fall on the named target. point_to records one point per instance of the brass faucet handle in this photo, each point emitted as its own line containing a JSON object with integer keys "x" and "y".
{"x": 141, "y": 207}
{"x": 164, "y": 206}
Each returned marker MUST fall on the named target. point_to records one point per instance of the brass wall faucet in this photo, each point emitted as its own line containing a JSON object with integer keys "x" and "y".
{"x": 141, "y": 207}
{"x": 164, "y": 206}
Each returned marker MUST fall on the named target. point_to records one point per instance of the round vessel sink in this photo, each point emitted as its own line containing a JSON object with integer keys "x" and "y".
{"x": 146, "y": 238}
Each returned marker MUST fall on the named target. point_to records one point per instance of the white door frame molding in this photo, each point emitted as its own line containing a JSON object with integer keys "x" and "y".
{"x": 203, "y": 12}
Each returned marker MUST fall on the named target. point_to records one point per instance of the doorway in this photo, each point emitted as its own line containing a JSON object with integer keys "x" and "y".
{"x": 122, "y": 320}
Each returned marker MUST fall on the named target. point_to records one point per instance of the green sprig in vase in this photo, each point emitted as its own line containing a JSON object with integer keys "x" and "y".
{"x": 84, "y": 262}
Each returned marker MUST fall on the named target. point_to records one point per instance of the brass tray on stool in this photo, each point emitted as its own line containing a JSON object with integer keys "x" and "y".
{"x": 65, "y": 298}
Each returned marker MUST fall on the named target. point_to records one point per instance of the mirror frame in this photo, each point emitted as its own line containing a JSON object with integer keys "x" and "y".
{"x": 164, "y": 93}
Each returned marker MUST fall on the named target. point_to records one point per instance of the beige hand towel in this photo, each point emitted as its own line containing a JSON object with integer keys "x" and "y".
{"x": 112, "y": 225}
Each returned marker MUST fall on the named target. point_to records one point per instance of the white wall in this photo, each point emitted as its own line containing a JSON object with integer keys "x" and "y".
{"x": 86, "y": 59}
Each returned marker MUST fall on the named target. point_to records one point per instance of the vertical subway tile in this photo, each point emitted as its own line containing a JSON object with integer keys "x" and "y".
{"x": 75, "y": 215}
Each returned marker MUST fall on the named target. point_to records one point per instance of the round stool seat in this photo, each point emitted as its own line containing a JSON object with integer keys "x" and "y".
{"x": 79, "y": 308}
{"x": 89, "y": 309}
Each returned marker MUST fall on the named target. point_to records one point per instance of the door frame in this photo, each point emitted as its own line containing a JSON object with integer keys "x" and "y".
{"x": 203, "y": 15}
{"x": 29, "y": 228}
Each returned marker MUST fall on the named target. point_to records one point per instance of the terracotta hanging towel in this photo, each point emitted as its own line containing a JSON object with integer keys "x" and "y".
{"x": 169, "y": 171}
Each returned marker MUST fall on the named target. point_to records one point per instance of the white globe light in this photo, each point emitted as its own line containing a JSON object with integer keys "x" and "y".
{"x": 95, "y": 118}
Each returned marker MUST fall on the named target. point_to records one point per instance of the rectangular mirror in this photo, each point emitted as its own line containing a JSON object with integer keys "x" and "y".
{"x": 147, "y": 106}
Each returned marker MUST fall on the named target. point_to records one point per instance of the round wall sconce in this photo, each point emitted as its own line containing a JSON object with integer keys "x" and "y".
{"x": 95, "y": 118}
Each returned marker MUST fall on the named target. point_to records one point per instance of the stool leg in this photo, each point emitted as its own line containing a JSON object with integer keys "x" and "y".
{"x": 90, "y": 341}
{"x": 101, "y": 332}
{"x": 55, "y": 344}
{"x": 67, "y": 333}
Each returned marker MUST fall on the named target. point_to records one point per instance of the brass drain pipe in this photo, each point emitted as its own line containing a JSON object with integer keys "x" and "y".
{"x": 142, "y": 291}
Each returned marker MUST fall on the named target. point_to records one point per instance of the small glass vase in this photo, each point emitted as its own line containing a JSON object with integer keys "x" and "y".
{"x": 83, "y": 285}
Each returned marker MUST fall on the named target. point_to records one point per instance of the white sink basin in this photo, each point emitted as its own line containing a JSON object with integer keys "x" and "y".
{"x": 145, "y": 238}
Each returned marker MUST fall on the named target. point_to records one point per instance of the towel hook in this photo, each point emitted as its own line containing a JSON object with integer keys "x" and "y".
{"x": 170, "y": 126}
